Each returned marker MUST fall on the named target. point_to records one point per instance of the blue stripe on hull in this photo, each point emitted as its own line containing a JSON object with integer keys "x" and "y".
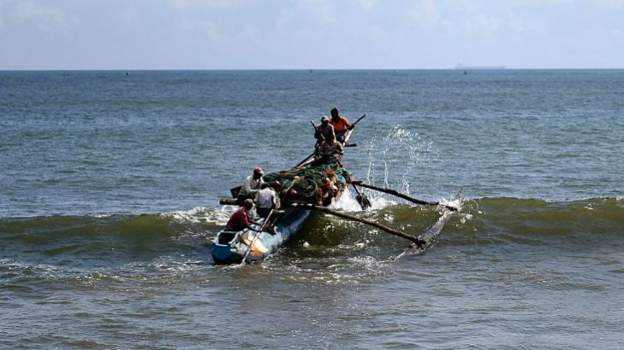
{"x": 287, "y": 226}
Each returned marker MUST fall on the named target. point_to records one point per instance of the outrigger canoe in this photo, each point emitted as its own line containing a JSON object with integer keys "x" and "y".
{"x": 231, "y": 247}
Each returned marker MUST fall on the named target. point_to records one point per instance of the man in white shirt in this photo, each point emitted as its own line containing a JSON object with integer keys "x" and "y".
{"x": 266, "y": 199}
{"x": 251, "y": 185}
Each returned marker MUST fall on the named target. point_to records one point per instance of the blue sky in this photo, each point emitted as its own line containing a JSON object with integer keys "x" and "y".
{"x": 310, "y": 34}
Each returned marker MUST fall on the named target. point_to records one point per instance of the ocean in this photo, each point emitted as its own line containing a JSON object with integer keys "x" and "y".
{"x": 109, "y": 187}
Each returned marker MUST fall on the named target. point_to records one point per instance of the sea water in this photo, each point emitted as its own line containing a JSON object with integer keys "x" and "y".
{"x": 109, "y": 183}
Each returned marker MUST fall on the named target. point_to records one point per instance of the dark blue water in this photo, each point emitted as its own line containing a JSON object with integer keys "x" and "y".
{"x": 109, "y": 184}
{"x": 93, "y": 142}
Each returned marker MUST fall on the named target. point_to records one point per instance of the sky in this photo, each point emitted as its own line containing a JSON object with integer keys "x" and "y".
{"x": 310, "y": 34}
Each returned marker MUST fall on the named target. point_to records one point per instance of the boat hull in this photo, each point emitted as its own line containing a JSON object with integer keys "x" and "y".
{"x": 230, "y": 247}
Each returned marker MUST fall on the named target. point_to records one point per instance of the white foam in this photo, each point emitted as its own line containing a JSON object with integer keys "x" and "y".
{"x": 379, "y": 202}
{"x": 455, "y": 203}
{"x": 202, "y": 215}
{"x": 348, "y": 202}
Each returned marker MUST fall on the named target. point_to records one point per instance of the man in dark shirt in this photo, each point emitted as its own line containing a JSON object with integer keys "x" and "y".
{"x": 324, "y": 131}
{"x": 240, "y": 219}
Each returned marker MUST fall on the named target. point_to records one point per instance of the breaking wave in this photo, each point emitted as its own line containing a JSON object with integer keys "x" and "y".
{"x": 490, "y": 219}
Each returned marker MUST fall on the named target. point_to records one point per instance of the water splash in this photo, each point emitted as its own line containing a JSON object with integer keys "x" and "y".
{"x": 386, "y": 155}
{"x": 348, "y": 202}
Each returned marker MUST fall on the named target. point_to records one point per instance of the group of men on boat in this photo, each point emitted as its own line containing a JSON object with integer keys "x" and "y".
{"x": 253, "y": 192}
{"x": 330, "y": 137}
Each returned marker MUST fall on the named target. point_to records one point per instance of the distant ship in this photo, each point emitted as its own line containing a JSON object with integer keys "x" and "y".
{"x": 462, "y": 67}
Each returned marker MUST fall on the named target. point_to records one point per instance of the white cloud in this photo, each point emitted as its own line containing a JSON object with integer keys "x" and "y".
{"x": 43, "y": 16}
{"x": 205, "y": 29}
{"x": 315, "y": 33}
{"x": 1, "y": 16}
{"x": 321, "y": 9}
{"x": 618, "y": 4}
{"x": 189, "y": 4}
{"x": 367, "y": 5}
{"x": 425, "y": 13}
{"x": 483, "y": 24}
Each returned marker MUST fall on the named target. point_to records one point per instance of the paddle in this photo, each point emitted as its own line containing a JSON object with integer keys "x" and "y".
{"x": 305, "y": 160}
{"x": 419, "y": 242}
{"x": 361, "y": 198}
{"x": 401, "y": 195}
{"x": 358, "y": 120}
{"x": 312, "y": 154}
{"x": 266, "y": 221}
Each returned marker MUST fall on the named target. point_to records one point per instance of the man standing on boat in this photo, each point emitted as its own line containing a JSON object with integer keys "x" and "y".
{"x": 266, "y": 200}
{"x": 329, "y": 150}
{"x": 324, "y": 131}
{"x": 340, "y": 124}
{"x": 240, "y": 219}
{"x": 251, "y": 185}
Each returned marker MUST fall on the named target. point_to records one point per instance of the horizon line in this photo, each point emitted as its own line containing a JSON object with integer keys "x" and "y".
{"x": 470, "y": 68}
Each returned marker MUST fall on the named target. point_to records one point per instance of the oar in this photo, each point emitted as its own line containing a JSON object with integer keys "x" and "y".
{"x": 266, "y": 221}
{"x": 361, "y": 198}
{"x": 305, "y": 160}
{"x": 419, "y": 242}
{"x": 311, "y": 154}
{"x": 357, "y": 121}
{"x": 401, "y": 195}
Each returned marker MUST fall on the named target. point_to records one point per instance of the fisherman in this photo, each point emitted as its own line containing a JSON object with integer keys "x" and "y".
{"x": 326, "y": 192}
{"x": 327, "y": 151}
{"x": 340, "y": 124}
{"x": 289, "y": 194}
{"x": 240, "y": 219}
{"x": 324, "y": 131}
{"x": 266, "y": 199}
{"x": 251, "y": 185}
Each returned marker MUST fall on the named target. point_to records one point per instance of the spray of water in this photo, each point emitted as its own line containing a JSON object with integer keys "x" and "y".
{"x": 348, "y": 202}
{"x": 396, "y": 155}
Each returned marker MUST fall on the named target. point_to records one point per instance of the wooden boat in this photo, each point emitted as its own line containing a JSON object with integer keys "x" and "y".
{"x": 257, "y": 243}
{"x": 231, "y": 247}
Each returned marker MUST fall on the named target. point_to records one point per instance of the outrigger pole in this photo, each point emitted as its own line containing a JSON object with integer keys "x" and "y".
{"x": 420, "y": 243}
{"x": 401, "y": 195}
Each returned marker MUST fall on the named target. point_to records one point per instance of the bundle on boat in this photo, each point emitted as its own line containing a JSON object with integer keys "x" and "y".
{"x": 312, "y": 184}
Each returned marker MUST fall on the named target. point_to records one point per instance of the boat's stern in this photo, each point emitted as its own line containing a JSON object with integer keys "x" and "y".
{"x": 224, "y": 249}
